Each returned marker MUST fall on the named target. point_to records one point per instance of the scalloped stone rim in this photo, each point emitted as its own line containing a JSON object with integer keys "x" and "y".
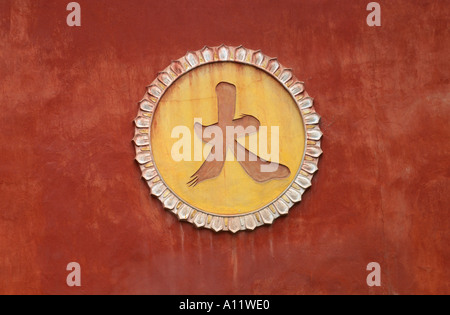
{"x": 185, "y": 212}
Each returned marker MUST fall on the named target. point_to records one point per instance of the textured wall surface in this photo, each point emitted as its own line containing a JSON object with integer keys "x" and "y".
{"x": 70, "y": 189}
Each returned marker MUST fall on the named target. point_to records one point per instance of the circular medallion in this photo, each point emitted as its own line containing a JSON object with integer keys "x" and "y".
{"x": 227, "y": 138}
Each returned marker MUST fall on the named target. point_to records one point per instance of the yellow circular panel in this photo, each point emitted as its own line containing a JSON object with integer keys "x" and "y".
{"x": 192, "y": 97}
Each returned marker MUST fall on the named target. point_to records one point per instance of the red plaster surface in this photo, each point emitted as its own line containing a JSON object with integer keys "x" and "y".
{"x": 70, "y": 189}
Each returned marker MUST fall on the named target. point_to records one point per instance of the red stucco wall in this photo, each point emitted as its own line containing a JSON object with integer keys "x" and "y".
{"x": 70, "y": 189}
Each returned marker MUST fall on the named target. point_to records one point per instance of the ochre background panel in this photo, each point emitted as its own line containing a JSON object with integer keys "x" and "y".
{"x": 70, "y": 189}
